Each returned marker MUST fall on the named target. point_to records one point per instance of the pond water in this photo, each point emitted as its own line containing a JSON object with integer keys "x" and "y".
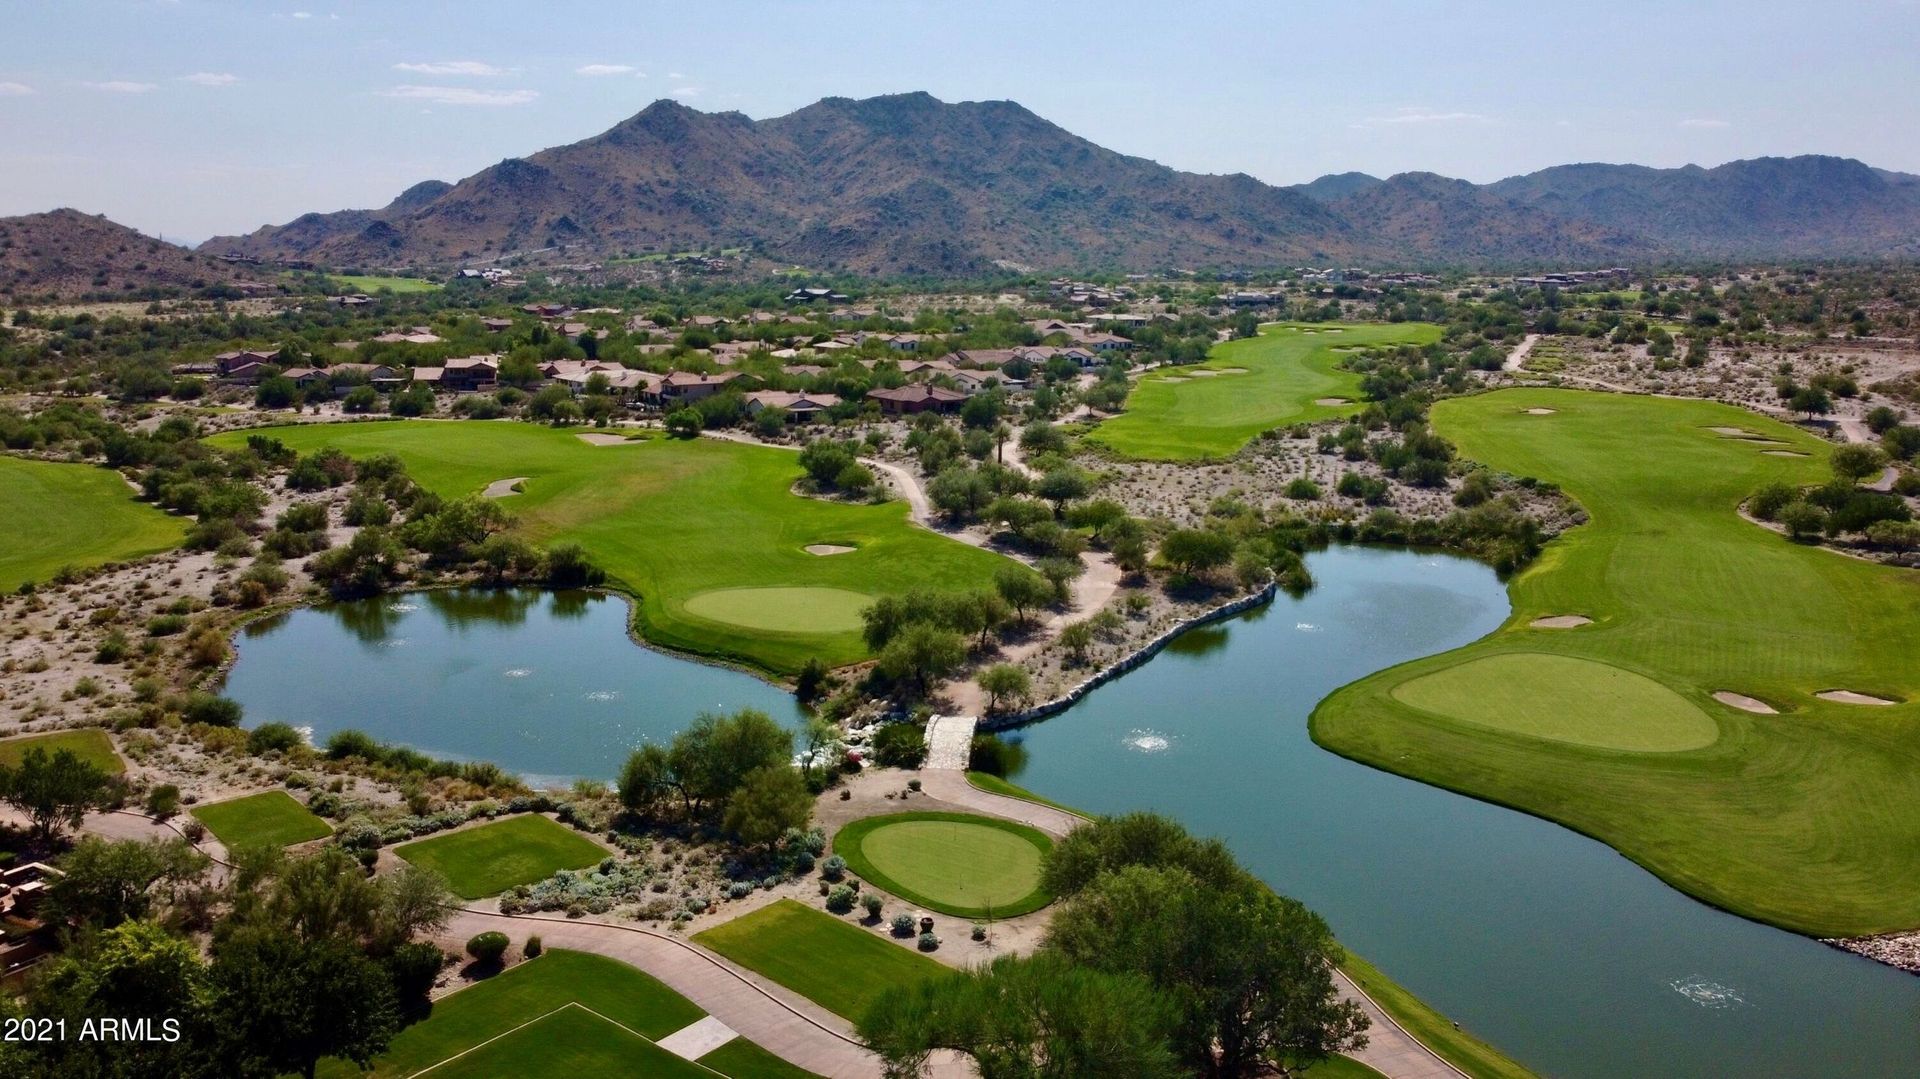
{"x": 546, "y": 684}
{"x": 1548, "y": 944}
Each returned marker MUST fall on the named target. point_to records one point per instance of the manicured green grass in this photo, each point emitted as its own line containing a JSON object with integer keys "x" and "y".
{"x": 1564, "y": 698}
{"x": 75, "y": 515}
{"x": 1443, "y": 1036}
{"x": 267, "y": 819}
{"x": 1339, "y": 1067}
{"x": 1809, "y": 819}
{"x": 961, "y": 864}
{"x": 491, "y": 858}
{"x": 89, "y": 744}
{"x": 742, "y": 1059}
{"x": 837, "y": 966}
{"x": 783, "y": 610}
{"x": 671, "y": 520}
{"x": 534, "y": 988}
{"x": 568, "y": 1043}
{"x": 371, "y": 283}
{"x": 1287, "y": 369}
{"x": 993, "y": 784}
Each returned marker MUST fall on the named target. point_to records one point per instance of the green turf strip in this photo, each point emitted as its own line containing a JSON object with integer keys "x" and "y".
{"x": 671, "y": 520}
{"x": 569, "y": 1043}
{"x": 1564, "y": 699}
{"x": 491, "y": 858}
{"x": 842, "y": 968}
{"x": 89, "y": 744}
{"x": 784, "y": 610}
{"x": 742, "y": 1059}
{"x": 75, "y": 515}
{"x": 267, "y": 819}
{"x": 1807, "y": 819}
{"x": 961, "y": 864}
{"x": 1283, "y": 373}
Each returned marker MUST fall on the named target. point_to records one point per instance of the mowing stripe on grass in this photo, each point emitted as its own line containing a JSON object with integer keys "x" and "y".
{"x": 88, "y": 743}
{"x": 842, "y": 968}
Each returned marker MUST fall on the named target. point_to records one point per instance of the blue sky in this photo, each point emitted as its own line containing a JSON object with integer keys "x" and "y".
{"x": 195, "y": 117}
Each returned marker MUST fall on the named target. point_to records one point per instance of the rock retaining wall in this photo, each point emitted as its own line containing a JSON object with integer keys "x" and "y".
{"x": 1114, "y": 670}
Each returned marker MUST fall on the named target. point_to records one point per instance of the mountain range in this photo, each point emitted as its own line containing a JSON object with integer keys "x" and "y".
{"x": 909, "y": 184}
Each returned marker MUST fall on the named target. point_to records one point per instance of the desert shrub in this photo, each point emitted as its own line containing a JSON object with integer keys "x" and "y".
{"x": 269, "y": 737}
{"x": 834, "y": 867}
{"x": 487, "y": 948}
{"x": 840, "y": 899}
{"x": 900, "y": 745}
{"x": 211, "y": 710}
{"x": 928, "y": 942}
{"x": 903, "y": 925}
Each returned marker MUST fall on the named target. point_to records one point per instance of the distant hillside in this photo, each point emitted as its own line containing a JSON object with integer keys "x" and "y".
{"x": 909, "y": 184}
{"x": 68, "y": 255}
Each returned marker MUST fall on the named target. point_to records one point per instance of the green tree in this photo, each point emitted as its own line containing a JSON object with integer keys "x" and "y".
{"x": 1005, "y": 682}
{"x": 1813, "y": 402}
{"x": 284, "y": 1003}
{"x": 1039, "y": 1017}
{"x": 107, "y": 882}
{"x": 53, "y": 790}
{"x": 920, "y": 656}
{"x": 713, "y": 755}
{"x": 683, "y": 423}
{"x": 645, "y": 780}
{"x": 770, "y": 800}
{"x": 1855, "y": 462}
{"x": 1195, "y": 551}
{"x": 276, "y": 392}
{"x": 1024, "y": 590}
{"x": 135, "y": 970}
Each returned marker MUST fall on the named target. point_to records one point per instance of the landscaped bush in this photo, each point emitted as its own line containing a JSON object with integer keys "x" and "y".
{"x": 928, "y": 942}
{"x": 840, "y": 900}
{"x": 739, "y": 889}
{"x": 903, "y": 925}
{"x": 900, "y": 745}
{"x": 533, "y": 948}
{"x": 871, "y": 903}
{"x": 834, "y": 867}
{"x": 211, "y": 710}
{"x": 487, "y": 948}
{"x": 271, "y": 737}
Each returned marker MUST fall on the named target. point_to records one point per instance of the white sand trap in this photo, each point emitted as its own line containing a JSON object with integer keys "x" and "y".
{"x": 1734, "y": 432}
{"x": 1847, "y": 696}
{"x": 1331, "y": 401}
{"x": 502, "y": 488}
{"x": 598, "y": 438}
{"x": 829, "y": 548}
{"x": 1561, "y": 621}
{"x": 1205, "y": 374}
{"x": 1232, "y": 371}
{"x": 1541, "y": 411}
{"x": 1744, "y": 703}
{"x": 1335, "y": 331}
{"x": 1175, "y": 378}
{"x": 1782, "y": 453}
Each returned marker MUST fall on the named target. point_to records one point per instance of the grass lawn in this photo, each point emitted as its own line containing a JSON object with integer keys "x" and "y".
{"x": 491, "y": 858}
{"x": 1255, "y": 384}
{"x": 75, "y": 515}
{"x": 993, "y": 784}
{"x": 707, "y": 533}
{"x": 1807, "y": 819}
{"x": 372, "y": 283}
{"x": 267, "y": 819}
{"x": 837, "y": 966}
{"x": 961, "y": 864}
{"x": 89, "y": 744}
{"x": 565, "y": 1044}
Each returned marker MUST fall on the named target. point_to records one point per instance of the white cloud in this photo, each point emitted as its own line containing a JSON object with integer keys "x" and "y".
{"x": 460, "y": 95}
{"x": 210, "y": 78}
{"x": 1428, "y": 116}
{"x": 685, "y": 91}
{"x": 451, "y": 67}
{"x": 121, "y": 86}
{"x": 303, "y": 14}
{"x": 15, "y": 89}
{"x": 592, "y": 70}
{"x": 675, "y": 75}
{"x": 1701, "y": 122}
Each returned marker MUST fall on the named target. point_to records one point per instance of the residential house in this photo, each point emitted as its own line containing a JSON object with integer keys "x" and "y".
{"x": 919, "y": 397}
{"x": 497, "y": 325}
{"x": 799, "y": 406}
{"x": 685, "y": 387}
{"x": 377, "y": 375}
{"x": 306, "y": 377}
{"x": 466, "y": 374}
{"x": 227, "y": 363}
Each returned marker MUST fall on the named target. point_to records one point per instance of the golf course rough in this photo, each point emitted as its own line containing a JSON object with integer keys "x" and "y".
{"x": 706, "y": 534}
{"x": 1246, "y": 387}
{"x": 960, "y": 864}
{"x": 61, "y": 514}
{"x": 1806, "y": 819}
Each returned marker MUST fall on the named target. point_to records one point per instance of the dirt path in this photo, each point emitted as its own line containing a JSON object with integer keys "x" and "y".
{"x": 1519, "y": 354}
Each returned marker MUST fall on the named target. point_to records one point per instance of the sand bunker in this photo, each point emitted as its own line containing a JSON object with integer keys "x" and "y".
{"x": 1204, "y": 374}
{"x": 596, "y": 438}
{"x": 1331, "y": 401}
{"x": 1847, "y": 696}
{"x": 828, "y": 548}
{"x": 1782, "y": 453}
{"x": 1331, "y": 331}
{"x": 1744, "y": 703}
{"x": 1541, "y": 411}
{"x": 503, "y": 488}
{"x": 1561, "y": 621}
{"x": 1232, "y": 371}
{"x": 1175, "y": 378}
{"x": 1734, "y": 432}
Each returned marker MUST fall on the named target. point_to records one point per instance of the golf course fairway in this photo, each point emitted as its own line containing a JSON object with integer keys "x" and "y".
{"x": 1808, "y": 819}
{"x": 707, "y": 533}
{"x": 1248, "y": 386}
{"x": 75, "y": 515}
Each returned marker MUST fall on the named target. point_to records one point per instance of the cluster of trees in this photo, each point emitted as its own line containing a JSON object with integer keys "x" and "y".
{"x": 1165, "y": 959}
{"x": 312, "y": 959}
{"x": 1840, "y": 506}
{"x": 921, "y": 637}
{"x": 736, "y": 771}
{"x": 833, "y": 465}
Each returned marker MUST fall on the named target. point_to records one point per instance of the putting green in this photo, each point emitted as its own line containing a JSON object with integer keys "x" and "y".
{"x": 1808, "y": 818}
{"x": 1564, "y": 699}
{"x": 671, "y": 520}
{"x": 782, "y": 610}
{"x": 955, "y": 863}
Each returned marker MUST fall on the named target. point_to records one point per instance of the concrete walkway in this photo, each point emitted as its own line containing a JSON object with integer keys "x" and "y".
{"x": 950, "y": 742}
